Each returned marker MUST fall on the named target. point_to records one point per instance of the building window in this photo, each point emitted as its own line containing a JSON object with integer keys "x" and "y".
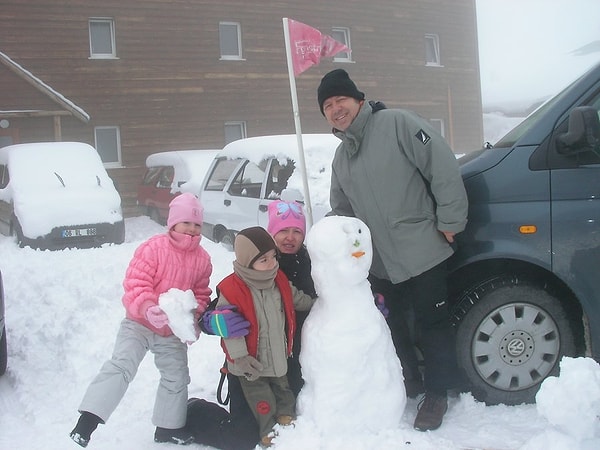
{"x": 234, "y": 131}
{"x": 102, "y": 38}
{"x": 432, "y": 50}
{"x": 108, "y": 144}
{"x": 230, "y": 40}
{"x": 438, "y": 124}
{"x": 342, "y": 35}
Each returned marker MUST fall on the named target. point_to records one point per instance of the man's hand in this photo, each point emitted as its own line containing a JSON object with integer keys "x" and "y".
{"x": 449, "y": 235}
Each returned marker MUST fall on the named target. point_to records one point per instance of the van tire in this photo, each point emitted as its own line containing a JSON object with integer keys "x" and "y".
{"x": 511, "y": 339}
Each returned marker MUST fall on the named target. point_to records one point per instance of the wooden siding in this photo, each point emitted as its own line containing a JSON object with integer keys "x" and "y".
{"x": 168, "y": 89}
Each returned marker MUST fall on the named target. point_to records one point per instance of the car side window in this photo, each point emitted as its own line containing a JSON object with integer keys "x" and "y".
{"x": 556, "y": 160}
{"x": 248, "y": 182}
{"x": 220, "y": 174}
{"x": 151, "y": 176}
{"x": 4, "y": 178}
{"x": 278, "y": 178}
{"x": 166, "y": 177}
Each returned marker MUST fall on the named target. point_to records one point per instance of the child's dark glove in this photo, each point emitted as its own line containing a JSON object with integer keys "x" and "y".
{"x": 249, "y": 366}
{"x": 380, "y": 303}
{"x": 224, "y": 321}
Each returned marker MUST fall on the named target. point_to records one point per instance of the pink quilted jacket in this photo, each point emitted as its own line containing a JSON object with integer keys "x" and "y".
{"x": 165, "y": 261}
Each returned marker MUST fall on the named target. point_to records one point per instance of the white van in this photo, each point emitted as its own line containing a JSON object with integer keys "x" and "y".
{"x": 55, "y": 195}
{"x": 168, "y": 174}
{"x": 250, "y": 173}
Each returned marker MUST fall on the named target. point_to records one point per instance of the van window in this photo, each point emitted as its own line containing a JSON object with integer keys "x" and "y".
{"x": 248, "y": 181}
{"x": 220, "y": 174}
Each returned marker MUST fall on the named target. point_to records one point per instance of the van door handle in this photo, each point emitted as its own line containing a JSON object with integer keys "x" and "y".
{"x": 227, "y": 202}
{"x": 263, "y": 208}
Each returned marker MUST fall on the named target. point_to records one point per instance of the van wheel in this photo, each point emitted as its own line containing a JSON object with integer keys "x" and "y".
{"x": 228, "y": 239}
{"x": 511, "y": 339}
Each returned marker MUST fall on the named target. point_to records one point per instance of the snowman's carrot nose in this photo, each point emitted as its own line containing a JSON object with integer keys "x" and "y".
{"x": 358, "y": 254}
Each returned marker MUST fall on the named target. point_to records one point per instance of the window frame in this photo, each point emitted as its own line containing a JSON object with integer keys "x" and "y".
{"x": 241, "y": 124}
{"x": 111, "y": 23}
{"x": 117, "y": 139}
{"x": 345, "y": 32}
{"x": 238, "y": 28}
{"x": 432, "y": 40}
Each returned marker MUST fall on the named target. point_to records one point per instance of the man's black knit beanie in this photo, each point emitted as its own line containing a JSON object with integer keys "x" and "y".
{"x": 337, "y": 83}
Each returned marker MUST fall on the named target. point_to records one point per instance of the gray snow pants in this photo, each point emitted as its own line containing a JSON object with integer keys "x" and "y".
{"x": 170, "y": 357}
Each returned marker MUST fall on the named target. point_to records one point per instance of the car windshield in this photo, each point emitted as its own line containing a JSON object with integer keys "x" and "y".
{"x": 515, "y": 134}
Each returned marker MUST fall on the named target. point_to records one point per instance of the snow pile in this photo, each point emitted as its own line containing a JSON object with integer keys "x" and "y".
{"x": 63, "y": 311}
{"x": 571, "y": 403}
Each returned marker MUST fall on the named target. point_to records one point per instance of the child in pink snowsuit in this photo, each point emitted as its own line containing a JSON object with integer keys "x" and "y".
{"x": 173, "y": 259}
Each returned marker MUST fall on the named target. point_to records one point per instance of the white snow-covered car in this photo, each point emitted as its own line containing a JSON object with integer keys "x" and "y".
{"x": 250, "y": 173}
{"x": 56, "y": 195}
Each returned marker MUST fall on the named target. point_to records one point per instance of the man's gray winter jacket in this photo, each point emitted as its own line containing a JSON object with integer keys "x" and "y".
{"x": 398, "y": 175}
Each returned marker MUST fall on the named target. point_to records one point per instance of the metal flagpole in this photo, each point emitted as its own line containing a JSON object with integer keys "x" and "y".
{"x": 307, "y": 203}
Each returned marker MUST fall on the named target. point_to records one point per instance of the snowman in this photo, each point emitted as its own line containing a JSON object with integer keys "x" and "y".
{"x": 353, "y": 378}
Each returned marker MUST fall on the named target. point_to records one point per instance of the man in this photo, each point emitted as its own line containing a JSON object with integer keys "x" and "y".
{"x": 397, "y": 174}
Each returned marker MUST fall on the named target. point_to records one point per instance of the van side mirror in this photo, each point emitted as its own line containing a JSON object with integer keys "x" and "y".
{"x": 583, "y": 134}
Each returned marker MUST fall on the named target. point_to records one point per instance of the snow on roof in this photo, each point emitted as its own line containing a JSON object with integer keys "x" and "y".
{"x": 39, "y": 84}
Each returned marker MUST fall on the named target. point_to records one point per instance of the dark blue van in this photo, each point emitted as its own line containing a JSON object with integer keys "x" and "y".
{"x": 526, "y": 275}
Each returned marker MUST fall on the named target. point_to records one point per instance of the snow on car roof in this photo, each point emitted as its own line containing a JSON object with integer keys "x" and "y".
{"x": 180, "y": 157}
{"x": 258, "y": 148}
{"x": 190, "y": 166}
{"x": 319, "y": 150}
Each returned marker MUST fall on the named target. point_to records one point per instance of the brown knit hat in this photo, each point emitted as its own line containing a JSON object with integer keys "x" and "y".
{"x": 251, "y": 243}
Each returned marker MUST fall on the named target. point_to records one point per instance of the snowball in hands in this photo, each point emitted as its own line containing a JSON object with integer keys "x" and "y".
{"x": 180, "y": 307}
{"x": 350, "y": 383}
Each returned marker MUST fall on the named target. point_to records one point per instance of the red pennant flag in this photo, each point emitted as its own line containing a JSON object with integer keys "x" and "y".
{"x": 309, "y": 45}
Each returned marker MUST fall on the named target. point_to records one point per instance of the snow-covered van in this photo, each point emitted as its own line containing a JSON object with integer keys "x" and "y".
{"x": 168, "y": 174}
{"x": 250, "y": 173}
{"x": 56, "y": 195}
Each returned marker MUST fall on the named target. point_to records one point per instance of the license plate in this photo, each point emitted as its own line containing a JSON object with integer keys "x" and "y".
{"x": 77, "y": 232}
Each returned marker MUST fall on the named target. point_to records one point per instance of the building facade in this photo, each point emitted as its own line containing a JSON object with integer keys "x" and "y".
{"x": 138, "y": 77}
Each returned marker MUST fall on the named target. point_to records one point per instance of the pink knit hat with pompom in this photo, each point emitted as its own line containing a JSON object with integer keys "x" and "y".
{"x": 185, "y": 208}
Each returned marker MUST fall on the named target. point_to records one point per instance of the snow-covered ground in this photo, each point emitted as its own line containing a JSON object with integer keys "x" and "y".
{"x": 63, "y": 310}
